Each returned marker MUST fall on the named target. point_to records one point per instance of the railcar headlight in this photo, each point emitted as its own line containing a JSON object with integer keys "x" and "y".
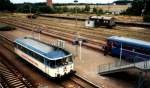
{"x": 71, "y": 67}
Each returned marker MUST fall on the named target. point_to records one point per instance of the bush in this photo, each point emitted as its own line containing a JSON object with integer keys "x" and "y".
{"x": 87, "y": 8}
{"x": 99, "y": 12}
{"x": 94, "y": 10}
{"x": 146, "y": 18}
{"x": 5, "y": 27}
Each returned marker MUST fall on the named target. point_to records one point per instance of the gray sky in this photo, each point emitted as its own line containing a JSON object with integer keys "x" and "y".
{"x": 64, "y": 1}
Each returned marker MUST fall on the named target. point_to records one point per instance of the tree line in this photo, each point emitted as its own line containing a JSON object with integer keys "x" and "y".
{"x": 43, "y": 8}
{"x": 6, "y": 5}
{"x": 138, "y": 8}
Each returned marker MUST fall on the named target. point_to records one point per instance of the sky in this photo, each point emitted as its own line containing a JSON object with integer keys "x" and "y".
{"x": 64, "y": 1}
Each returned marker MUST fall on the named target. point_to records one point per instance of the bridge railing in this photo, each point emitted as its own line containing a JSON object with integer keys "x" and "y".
{"x": 140, "y": 60}
{"x": 144, "y": 65}
{"x": 111, "y": 66}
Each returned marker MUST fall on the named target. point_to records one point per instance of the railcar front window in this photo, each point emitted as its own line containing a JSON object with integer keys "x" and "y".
{"x": 61, "y": 62}
{"x": 64, "y": 61}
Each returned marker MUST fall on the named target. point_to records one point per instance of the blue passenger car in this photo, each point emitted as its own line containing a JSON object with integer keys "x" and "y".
{"x": 129, "y": 49}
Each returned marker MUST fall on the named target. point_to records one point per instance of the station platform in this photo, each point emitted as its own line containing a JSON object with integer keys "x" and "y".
{"x": 86, "y": 66}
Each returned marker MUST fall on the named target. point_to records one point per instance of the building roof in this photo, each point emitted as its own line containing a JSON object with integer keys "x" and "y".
{"x": 45, "y": 50}
{"x": 135, "y": 42}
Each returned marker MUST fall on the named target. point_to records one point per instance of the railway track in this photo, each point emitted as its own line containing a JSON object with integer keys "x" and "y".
{"x": 118, "y": 30}
{"x": 95, "y": 37}
{"x": 63, "y": 27}
{"x": 65, "y": 30}
{"x": 10, "y": 77}
{"x": 75, "y": 81}
{"x": 83, "y": 19}
{"x": 92, "y": 34}
{"x": 61, "y": 35}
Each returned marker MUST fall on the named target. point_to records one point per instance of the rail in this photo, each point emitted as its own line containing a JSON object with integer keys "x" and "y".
{"x": 117, "y": 22}
{"x": 87, "y": 81}
{"x": 6, "y": 38}
{"x": 11, "y": 77}
{"x": 91, "y": 44}
{"x": 15, "y": 73}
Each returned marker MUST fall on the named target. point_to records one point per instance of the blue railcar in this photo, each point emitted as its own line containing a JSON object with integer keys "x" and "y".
{"x": 129, "y": 49}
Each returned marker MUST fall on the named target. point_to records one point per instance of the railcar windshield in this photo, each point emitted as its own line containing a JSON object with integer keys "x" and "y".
{"x": 61, "y": 62}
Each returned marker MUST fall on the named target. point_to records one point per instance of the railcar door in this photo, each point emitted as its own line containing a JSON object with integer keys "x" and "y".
{"x": 46, "y": 66}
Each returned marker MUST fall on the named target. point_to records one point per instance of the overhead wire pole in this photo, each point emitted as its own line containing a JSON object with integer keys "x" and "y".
{"x": 30, "y": 9}
{"x": 76, "y": 38}
{"x": 108, "y": 6}
{"x": 143, "y": 10}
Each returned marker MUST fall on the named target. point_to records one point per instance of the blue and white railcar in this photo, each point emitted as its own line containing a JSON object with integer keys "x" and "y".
{"x": 53, "y": 61}
{"x": 128, "y": 48}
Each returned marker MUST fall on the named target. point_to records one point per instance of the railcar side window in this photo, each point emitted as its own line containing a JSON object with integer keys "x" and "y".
{"x": 39, "y": 58}
{"x": 115, "y": 44}
{"x": 143, "y": 51}
{"x": 127, "y": 47}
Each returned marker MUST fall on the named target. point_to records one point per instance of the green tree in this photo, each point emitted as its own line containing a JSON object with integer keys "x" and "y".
{"x": 65, "y": 9}
{"x": 25, "y": 8}
{"x": 87, "y": 8}
{"x": 138, "y": 6}
{"x": 94, "y": 10}
{"x": 6, "y": 5}
{"x": 99, "y": 12}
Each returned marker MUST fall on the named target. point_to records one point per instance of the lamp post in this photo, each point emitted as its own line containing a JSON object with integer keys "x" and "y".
{"x": 30, "y": 11}
{"x": 76, "y": 1}
{"x": 143, "y": 10}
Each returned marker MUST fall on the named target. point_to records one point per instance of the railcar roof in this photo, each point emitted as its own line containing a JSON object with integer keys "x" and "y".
{"x": 50, "y": 52}
{"x": 136, "y": 42}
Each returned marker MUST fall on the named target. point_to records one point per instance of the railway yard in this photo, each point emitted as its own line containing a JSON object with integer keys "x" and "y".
{"x": 16, "y": 73}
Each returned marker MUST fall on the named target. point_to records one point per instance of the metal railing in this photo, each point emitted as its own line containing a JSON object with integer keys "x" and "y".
{"x": 111, "y": 66}
{"x": 118, "y": 66}
{"x": 144, "y": 66}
